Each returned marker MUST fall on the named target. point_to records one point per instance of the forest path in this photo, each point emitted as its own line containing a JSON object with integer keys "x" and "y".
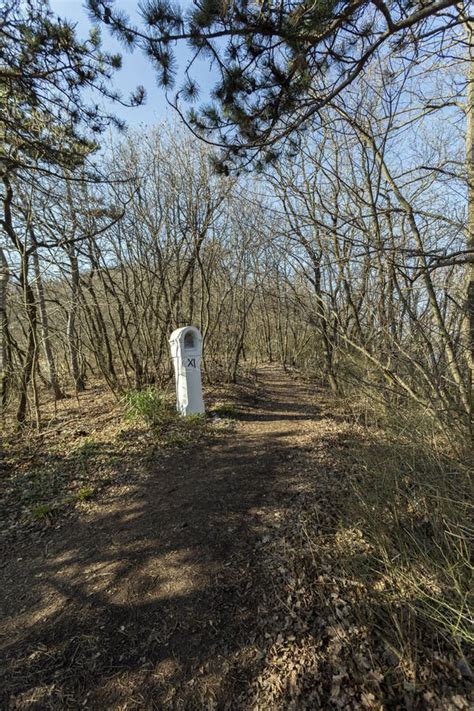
{"x": 150, "y": 600}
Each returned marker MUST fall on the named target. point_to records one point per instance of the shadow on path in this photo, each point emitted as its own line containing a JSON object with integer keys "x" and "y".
{"x": 150, "y": 599}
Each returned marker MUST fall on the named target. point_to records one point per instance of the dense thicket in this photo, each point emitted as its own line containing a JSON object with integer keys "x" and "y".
{"x": 347, "y": 259}
{"x": 343, "y": 262}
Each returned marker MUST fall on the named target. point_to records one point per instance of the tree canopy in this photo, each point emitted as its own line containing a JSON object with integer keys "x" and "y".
{"x": 276, "y": 64}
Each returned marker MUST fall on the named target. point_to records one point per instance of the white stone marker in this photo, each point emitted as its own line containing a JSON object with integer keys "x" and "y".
{"x": 186, "y": 352}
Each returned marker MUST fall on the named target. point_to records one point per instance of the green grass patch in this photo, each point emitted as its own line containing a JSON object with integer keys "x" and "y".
{"x": 85, "y": 493}
{"x": 42, "y": 511}
{"x": 149, "y": 406}
{"x": 159, "y": 414}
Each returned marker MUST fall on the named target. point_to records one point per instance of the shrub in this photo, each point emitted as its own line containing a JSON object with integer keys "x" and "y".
{"x": 157, "y": 412}
{"x": 149, "y": 406}
{"x": 416, "y": 513}
{"x": 42, "y": 511}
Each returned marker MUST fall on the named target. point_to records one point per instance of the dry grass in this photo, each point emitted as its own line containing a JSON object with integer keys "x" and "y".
{"x": 372, "y": 573}
{"x": 416, "y": 514}
{"x": 414, "y": 503}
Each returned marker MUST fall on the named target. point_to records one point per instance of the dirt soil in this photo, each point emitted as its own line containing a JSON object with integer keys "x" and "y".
{"x": 171, "y": 589}
{"x": 154, "y": 589}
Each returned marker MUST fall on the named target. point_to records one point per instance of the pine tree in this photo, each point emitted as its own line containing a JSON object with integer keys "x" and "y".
{"x": 46, "y": 126}
{"x": 277, "y": 63}
{"x": 44, "y": 71}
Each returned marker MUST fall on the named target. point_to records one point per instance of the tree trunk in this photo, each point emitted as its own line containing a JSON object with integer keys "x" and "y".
{"x": 48, "y": 351}
{"x": 4, "y": 349}
{"x": 470, "y": 204}
{"x": 31, "y": 348}
{"x": 77, "y": 373}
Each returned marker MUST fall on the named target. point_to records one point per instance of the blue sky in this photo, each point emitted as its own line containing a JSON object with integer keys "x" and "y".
{"x": 136, "y": 69}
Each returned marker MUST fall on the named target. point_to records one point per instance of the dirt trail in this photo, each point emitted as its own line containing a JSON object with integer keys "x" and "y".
{"x": 150, "y": 600}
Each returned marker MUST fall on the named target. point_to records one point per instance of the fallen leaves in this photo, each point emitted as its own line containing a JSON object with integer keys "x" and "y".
{"x": 323, "y": 631}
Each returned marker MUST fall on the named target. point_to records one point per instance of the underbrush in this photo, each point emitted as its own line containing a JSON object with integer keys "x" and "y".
{"x": 375, "y": 575}
{"x": 410, "y": 504}
{"x": 84, "y": 452}
{"x": 415, "y": 509}
{"x": 47, "y": 474}
{"x": 88, "y": 445}
{"x": 405, "y": 540}
{"x": 46, "y": 482}
{"x": 413, "y": 502}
